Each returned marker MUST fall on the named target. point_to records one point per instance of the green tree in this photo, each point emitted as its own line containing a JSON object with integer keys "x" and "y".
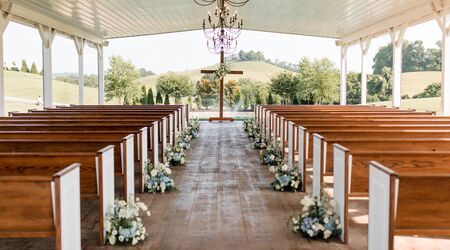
{"x": 24, "y": 67}
{"x": 379, "y": 86}
{"x": 143, "y": 99}
{"x": 190, "y": 102}
{"x": 258, "y": 100}
{"x": 432, "y": 90}
{"x": 167, "y": 100}
{"x": 33, "y": 69}
{"x": 177, "y": 86}
{"x": 14, "y": 67}
{"x": 159, "y": 99}
{"x": 296, "y": 101}
{"x": 121, "y": 80}
{"x": 353, "y": 88}
{"x": 318, "y": 81}
{"x": 285, "y": 84}
{"x": 232, "y": 93}
{"x": 150, "y": 99}
{"x": 198, "y": 102}
{"x": 270, "y": 99}
{"x": 249, "y": 90}
{"x": 208, "y": 89}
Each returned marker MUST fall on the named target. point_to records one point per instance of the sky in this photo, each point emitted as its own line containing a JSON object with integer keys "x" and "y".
{"x": 187, "y": 50}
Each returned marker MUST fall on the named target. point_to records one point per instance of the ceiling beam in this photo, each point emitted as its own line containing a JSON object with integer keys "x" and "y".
{"x": 416, "y": 15}
{"x": 30, "y": 17}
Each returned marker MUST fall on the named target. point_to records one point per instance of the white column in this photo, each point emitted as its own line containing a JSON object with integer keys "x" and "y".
{"x": 344, "y": 75}
{"x": 79, "y": 45}
{"x": 397, "y": 44}
{"x": 101, "y": 79}
{"x": 47, "y": 35}
{"x": 4, "y": 23}
{"x": 365, "y": 44}
{"x": 444, "y": 22}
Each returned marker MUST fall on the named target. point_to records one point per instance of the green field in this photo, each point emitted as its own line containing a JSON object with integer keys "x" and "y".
{"x": 258, "y": 71}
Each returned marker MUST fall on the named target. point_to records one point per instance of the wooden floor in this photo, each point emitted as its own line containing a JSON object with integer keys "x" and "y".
{"x": 225, "y": 202}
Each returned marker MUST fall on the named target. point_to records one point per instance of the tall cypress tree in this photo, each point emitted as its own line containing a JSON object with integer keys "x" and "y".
{"x": 159, "y": 99}
{"x": 270, "y": 99}
{"x": 258, "y": 100}
{"x": 295, "y": 101}
{"x": 166, "y": 100}
{"x": 143, "y": 99}
{"x": 33, "y": 69}
{"x": 150, "y": 99}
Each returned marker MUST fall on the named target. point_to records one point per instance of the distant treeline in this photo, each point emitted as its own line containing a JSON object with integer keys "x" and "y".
{"x": 89, "y": 80}
{"x": 258, "y": 56}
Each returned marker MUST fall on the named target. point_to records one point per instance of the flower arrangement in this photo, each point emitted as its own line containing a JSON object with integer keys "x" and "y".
{"x": 184, "y": 139}
{"x": 286, "y": 178}
{"x": 260, "y": 142}
{"x": 123, "y": 223}
{"x": 317, "y": 220}
{"x": 157, "y": 178}
{"x": 248, "y": 124}
{"x": 174, "y": 155}
{"x": 253, "y": 130}
{"x": 271, "y": 155}
{"x": 193, "y": 127}
{"x": 222, "y": 71}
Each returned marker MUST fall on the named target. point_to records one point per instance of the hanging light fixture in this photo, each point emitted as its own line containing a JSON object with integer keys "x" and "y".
{"x": 222, "y": 33}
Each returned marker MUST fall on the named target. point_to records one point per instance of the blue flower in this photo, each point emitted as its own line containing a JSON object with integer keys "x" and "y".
{"x": 284, "y": 180}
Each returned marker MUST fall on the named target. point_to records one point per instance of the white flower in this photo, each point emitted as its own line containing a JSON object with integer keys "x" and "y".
{"x": 153, "y": 173}
{"x": 142, "y": 237}
{"x": 272, "y": 157}
{"x": 148, "y": 213}
{"x": 337, "y": 222}
{"x": 112, "y": 239}
{"x": 135, "y": 241}
{"x": 310, "y": 233}
{"x": 272, "y": 169}
{"x": 326, "y": 220}
{"x": 326, "y": 234}
{"x": 168, "y": 171}
{"x": 121, "y": 238}
{"x": 284, "y": 168}
{"x": 307, "y": 202}
{"x": 114, "y": 232}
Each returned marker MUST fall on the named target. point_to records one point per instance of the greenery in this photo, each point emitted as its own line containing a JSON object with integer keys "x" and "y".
{"x": 286, "y": 85}
{"x": 24, "y": 67}
{"x": 432, "y": 90}
{"x": 177, "y": 86}
{"x": 89, "y": 80}
{"x": 34, "y": 69}
{"x": 159, "y": 99}
{"x": 150, "y": 99}
{"x": 415, "y": 58}
{"x": 232, "y": 93}
{"x": 121, "y": 80}
{"x": 270, "y": 99}
{"x": 166, "y": 99}
{"x": 143, "y": 100}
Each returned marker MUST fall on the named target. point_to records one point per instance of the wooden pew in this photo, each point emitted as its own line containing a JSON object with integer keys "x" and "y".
{"x": 124, "y": 156}
{"x": 351, "y": 172}
{"x": 404, "y": 203}
{"x": 42, "y": 205}
{"x": 96, "y": 173}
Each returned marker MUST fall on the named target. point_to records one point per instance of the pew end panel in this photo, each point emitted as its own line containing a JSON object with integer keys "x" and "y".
{"x": 301, "y": 154}
{"x": 53, "y": 211}
{"x": 144, "y": 157}
{"x": 128, "y": 156}
{"x": 105, "y": 170}
{"x": 319, "y": 146}
{"x": 342, "y": 163}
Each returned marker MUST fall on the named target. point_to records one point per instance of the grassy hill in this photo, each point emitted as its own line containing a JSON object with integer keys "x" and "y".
{"x": 415, "y": 82}
{"x": 258, "y": 71}
{"x": 29, "y": 86}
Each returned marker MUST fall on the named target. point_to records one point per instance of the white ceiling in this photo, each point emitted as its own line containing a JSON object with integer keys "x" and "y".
{"x": 107, "y": 19}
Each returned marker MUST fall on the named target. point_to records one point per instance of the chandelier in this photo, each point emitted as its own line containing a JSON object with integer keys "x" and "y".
{"x": 222, "y": 33}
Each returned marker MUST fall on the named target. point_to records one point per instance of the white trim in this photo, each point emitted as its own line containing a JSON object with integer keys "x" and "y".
{"x": 343, "y": 82}
{"x": 101, "y": 76}
{"x": 79, "y": 46}
{"x": 47, "y": 35}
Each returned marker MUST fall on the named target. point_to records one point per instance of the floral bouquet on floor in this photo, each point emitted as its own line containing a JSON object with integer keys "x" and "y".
{"x": 259, "y": 142}
{"x": 248, "y": 124}
{"x": 286, "y": 178}
{"x": 253, "y": 130}
{"x": 271, "y": 155}
{"x": 317, "y": 220}
{"x": 174, "y": 155}
{"x": 184, "y": 139}
{"x": 157, "y": 178}
{"x": 124, "y": 224}
{"x": 193, "y": 127}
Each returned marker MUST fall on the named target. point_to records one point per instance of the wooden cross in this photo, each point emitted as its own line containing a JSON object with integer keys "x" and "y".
{"x": 233, "y": 72}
